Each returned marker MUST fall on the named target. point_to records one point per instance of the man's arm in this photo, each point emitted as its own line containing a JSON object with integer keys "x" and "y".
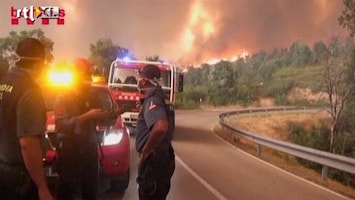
{"x": 32, "y": 156}
{"x": 31, "y": 120}
{"x": 157, "y": 122}
{"x": 66, "y": 122}
{"x": 158, "y": 132}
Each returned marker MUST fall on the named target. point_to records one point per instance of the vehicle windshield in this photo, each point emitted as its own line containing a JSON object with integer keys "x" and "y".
{"x": 100, "y": 98}
{"x": 129, "y": 76}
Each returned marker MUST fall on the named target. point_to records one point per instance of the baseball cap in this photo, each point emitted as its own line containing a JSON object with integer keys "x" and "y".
{"x": 30, "y": 49}
{"x": 84, "y": 67}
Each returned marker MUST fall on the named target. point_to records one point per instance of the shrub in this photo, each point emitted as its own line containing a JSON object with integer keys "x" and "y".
{"x": 318, "y": 138}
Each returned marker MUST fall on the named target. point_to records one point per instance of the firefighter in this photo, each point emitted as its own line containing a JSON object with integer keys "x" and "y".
{"x": 76, "y": 117}
{"x": 153, "y": 139}
{"x": 22, "y": 126}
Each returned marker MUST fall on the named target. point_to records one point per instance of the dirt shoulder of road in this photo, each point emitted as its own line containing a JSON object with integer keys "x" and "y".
{"x": 276, "y": 126}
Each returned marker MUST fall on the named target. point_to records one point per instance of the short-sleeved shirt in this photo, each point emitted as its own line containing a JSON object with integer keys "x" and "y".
{"x": 29, "y": 116}
{"x": 153, "y": 110}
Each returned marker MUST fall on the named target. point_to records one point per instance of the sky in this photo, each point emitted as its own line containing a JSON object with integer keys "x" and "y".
{"x": 183, "y": 31}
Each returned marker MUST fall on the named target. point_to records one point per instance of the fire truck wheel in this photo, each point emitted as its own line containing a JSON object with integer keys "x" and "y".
{"x": 120, "y": 185}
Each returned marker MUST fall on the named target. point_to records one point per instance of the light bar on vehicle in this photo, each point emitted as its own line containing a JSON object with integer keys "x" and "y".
{"x": 164, "y": 62}
{"x": 126, "y": 59}
{"x": 98, "y": 79}
{"x": 61, "y": 78}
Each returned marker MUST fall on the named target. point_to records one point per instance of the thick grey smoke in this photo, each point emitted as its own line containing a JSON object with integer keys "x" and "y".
{"x": 267, "y": 24}
{"x": 187, "y": 31}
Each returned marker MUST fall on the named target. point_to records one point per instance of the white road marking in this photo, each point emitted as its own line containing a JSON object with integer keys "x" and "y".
{"x": 201, "y": 180}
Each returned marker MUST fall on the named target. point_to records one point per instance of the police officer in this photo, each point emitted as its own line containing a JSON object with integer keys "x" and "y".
{"x": 75, "y": 116}
{"x": 22, "y": 126}
{"x": 153, "y": 139}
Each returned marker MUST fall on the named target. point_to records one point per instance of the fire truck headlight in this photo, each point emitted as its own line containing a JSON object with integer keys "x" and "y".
{"x": 112, "y": 138}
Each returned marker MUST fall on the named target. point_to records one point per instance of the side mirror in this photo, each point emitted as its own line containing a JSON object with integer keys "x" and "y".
{"x": 181, "y": 82}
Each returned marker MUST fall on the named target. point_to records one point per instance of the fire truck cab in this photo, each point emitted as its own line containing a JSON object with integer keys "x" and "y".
{"x": 122, "y": 80}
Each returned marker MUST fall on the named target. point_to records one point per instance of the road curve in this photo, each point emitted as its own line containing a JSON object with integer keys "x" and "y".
{"x": 231, "y": 172}
{"x": 210, "y": 169}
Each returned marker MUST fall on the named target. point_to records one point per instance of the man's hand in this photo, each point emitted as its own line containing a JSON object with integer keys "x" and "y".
{"x": 94, "y": 114}
{"x": 145, "y": 155}
{"x": 97, "y": 114}
{"x": 143, "y": 158}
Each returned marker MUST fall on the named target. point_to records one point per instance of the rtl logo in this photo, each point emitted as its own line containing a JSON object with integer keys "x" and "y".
{"x": 32, "y": 13}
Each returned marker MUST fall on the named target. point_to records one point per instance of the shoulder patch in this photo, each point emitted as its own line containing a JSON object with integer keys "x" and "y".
{"x": 152, "y": 105}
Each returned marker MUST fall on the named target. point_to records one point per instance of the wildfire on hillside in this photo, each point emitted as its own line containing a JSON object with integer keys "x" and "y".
{"x": 216, "y": 30}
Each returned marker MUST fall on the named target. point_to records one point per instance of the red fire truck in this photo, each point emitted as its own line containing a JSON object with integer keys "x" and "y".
{"x": 122, "y": 80}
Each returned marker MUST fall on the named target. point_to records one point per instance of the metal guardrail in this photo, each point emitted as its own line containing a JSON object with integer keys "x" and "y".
{"x": 327, "y": 159}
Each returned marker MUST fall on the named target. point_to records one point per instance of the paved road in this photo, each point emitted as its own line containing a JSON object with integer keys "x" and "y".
{"x": 209, "y": 169}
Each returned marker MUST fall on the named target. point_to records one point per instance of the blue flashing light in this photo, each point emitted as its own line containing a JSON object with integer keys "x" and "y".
{"x": 126, "y": 59}
{"x": 164, "y": 62}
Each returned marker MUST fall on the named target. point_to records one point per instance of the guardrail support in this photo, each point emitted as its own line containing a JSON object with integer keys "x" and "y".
{"x": 259, "y": 150}
{"x": 324, "y": 173}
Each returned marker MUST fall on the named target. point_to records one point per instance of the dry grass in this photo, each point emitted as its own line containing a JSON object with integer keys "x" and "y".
{"x": 276, "y": 126}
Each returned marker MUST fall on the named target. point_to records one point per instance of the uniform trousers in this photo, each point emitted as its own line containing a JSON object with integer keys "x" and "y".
{"x": 77, "y": 166}
{"x": 155, "y": 174}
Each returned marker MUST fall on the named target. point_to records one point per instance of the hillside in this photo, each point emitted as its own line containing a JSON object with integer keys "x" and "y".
{"x": 276, "y": 126}
{"x": 311, "y": 77}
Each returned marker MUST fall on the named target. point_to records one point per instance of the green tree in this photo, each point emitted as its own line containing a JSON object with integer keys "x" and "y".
{"x": 221, "y": 83}
{"x": 222, "y": 75}
{"x": 346, "y": 123}
{"x": 337, "y": 48}
{"x": 193, "y": 77}
{"x": 285, "y": 57}
{"x": 258, "y": 58}
{"x": 104, "y": 52}
{"x": 347, "y": 18}
{"x": 320, "y": 51}
{"x": 301, "y": 53}
{"x": 238, "y": 70}
{"x": 268, "y": 69}
{"x": 9, "y": 43}
{"x": 339, "y": 86}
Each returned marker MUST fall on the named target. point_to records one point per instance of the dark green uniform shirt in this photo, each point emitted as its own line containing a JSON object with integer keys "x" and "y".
{"x": 22, "y": 113}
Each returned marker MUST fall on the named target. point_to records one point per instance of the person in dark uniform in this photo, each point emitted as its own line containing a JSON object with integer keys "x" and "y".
{"x": 22, "y": 126}
{"x": 75, "y": 115}
{"x": 153, "y": 139}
